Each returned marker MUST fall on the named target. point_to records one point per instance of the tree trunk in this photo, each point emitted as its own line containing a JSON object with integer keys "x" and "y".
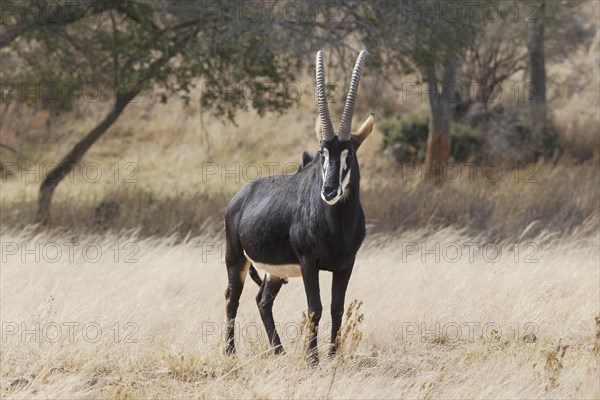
{"x": 438, "y": 140}
{"x": 66, "y": 165}
{"x": 440, "y": 101}
{"x": 543, "y": 139}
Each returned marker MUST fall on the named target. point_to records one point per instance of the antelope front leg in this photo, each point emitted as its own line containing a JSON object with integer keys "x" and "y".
{"x": 310, "y": 276}
{"x": 338, "y": 295}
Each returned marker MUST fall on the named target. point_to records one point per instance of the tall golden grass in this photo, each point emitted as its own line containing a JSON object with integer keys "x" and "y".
{"x": 137, "y": 291}
{"x": 143, "y": 318}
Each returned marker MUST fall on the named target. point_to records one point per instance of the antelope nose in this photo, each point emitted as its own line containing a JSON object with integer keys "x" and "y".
{"x": 329, "y": 192}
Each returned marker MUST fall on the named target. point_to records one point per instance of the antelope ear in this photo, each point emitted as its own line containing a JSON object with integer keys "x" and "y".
{"x": 364, "y": 131}
{"x": 318, "y": 129}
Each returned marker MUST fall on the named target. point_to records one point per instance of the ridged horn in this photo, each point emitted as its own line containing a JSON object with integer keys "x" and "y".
{"x": 326, "y": 125}
{"x": 346, "y": 123}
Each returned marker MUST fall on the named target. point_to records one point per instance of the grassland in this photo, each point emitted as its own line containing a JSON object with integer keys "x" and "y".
{"x": 123, "y": 317}
{"x": 486, "y": 286}
{"x": 145, "y": 319}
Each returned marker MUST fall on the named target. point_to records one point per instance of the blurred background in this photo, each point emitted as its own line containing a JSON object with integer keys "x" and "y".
{"x": 147, "y": 116}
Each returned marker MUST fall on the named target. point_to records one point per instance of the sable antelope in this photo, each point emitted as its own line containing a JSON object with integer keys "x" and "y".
{"x": 297, "y": 225}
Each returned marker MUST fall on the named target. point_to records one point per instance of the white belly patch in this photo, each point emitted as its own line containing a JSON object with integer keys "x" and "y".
{"x": 281, "y": 271}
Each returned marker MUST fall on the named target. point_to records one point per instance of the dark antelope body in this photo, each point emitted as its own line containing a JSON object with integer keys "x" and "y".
{"x": 298, "y": 225}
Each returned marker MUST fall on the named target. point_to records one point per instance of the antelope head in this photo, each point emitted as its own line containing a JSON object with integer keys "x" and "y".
{"x": 338, "y": 150}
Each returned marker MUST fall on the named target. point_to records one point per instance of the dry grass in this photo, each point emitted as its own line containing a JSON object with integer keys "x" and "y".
{"x": 524, "y": 325}
{"x": 538, "y": 197}
{"x": 543, "y": 197}
{"x": 480, "y": 329}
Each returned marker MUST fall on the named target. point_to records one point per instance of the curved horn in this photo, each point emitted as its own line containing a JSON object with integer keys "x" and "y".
{"x": 326, "y": 124}
{"x": 346, "y": 124}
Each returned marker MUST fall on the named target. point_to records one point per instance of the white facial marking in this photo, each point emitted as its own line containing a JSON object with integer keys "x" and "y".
{"x": 343, "y": 162}
{"x": 343, "y": 181}
{"x": 326, "y": 163}
{"x": 346, "y": 182}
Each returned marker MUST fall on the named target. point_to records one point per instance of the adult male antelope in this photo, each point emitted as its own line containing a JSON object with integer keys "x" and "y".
{"x": 297, "y": 225}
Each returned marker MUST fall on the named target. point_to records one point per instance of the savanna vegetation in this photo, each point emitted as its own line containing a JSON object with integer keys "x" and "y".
{"x": 127, "y": 126}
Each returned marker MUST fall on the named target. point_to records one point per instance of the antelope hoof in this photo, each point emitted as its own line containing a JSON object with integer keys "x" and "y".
{"x": 332, "y": 352}
{"x": 313, "y": 359}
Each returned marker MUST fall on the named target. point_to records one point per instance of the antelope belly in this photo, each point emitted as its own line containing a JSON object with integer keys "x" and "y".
{"x": 282, "y": 271}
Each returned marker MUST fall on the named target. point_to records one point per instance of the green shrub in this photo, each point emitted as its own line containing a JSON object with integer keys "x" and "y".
{"x": 465, "y": 144}
{"x": 406, "y": 139}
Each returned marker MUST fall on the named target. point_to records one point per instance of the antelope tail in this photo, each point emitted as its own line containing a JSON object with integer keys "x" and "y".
{"x": 254, "y": 275}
